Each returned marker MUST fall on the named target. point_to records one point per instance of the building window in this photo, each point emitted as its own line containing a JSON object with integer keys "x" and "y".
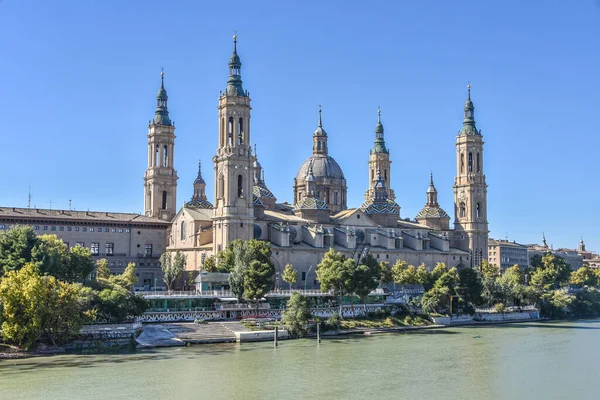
{"x": 105, "y": 229}
{"x": 462, "y": 163}
{"x": 463, "y": 210}
{"x": 82, "y": 244}
{"x": 91, "y": 229}
{"x": 110, "y": 248}
{"x": 183, "y": 231}
{"x": 221, "y": 186}
{"x": 45, "y": 228}
{"x": 114, "y": 230}
{"x": 36, "y": 227}
{"x": 120, "y": 230}
{"x": 303, "y": 276}
{"x": 95, "y": 248}
{"x": 84, "y": 229}
{"x": 240, "y": 186}
{"x": 478, "y": 211}
{"x": 68, "y": 229}
{"x": 335, "y": 198}
{"x": 61, "y": 228}
{"x": 76, "y": 229}
{"x": 52, "y": 228}
{"x": 66, "y": 244}
{"x": 478, "y": 167}
{"x": 2, "y": 226}
{"x": 148, "y": 250}
{"x": 127, "y": 230}
{"x": 470, "y": 162}
{"x": 164, "y": 200}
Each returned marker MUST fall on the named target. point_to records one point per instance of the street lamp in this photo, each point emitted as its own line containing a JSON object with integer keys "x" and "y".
{"x": 306, "y": 277}
{"x": 155, "y": 279}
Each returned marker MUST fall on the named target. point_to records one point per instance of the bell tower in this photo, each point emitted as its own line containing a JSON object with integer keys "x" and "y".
{"x": 470, "y": 190}
{"x": 379, "y": 163}
{"x": 160, "y": 179}
{"x": 234, "y": 207}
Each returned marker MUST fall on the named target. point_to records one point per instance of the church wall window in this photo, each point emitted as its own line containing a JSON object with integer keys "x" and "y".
{"x": 319, "y": 146}
{"x": 221, "y": 186}
{"x": 335, "y": 198}
{"x": 164, "y": 200}
{"x": 462, "y": 163}
{"x": 478, "y": 211}
{"x": 183, "y": 233}
{"x": 470, "y": 162}
{"x": 385, "y": 174}
{"x": 241, "y": 131}
{"x": 222, "y": 138}
{"x": 462, "y": 210}
{"x": 240, "y": 186}
{"x": 165, "y": 156}
{"x": 230, "y": 132}
{"x": 156, "y": 157}
{"x": 478, "y": 165}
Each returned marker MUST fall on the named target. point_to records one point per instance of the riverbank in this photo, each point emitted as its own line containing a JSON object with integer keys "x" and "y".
{"x": 129, "y": 337}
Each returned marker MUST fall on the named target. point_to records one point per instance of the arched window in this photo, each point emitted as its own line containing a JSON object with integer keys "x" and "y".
{"x": 470, "y": 162}
{"x": 319, "y": 145}
{"x": 183, "y": 235}
{"x": 165, "y": 156}
{"x": 241, "y": 131}
{"x": 222, "y": 138}
{"x": 462, "y": 163}
{"x": 164, "y": 200}
{"x": 221, "y": 189}
{"x": 156, "y": 157}
{"x": 462, "y": 210}
{"x": 230, "y": 132}
{"x": 240, "y": 186}
{"x": 385, "y": 175}
{"x": 478, "y": 211}
{"x": 478, "y": 165}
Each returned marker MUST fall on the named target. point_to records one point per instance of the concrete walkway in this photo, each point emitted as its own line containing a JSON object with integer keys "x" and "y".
{"x": 158, "y": 336}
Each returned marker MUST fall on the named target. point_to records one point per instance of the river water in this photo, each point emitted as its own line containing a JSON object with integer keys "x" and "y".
{"x": 536, "y": 360}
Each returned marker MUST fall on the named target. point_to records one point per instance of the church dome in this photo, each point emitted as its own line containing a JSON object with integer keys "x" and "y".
{"x": 323, "y": 167}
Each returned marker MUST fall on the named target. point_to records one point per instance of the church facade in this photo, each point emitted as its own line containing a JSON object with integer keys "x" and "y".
{"x": 243, "y": 207}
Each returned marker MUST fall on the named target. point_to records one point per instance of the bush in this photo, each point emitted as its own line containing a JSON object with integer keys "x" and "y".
{"x": 499, "y": 308}
{"x": 333, "y": 322}
{"x": 297, "y": 314}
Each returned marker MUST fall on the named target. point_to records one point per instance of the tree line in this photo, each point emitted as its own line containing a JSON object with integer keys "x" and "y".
{"x": 48, "y": 290}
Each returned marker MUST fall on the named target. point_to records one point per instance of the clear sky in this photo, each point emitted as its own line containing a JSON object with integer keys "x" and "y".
{"x": 79, "y": 82}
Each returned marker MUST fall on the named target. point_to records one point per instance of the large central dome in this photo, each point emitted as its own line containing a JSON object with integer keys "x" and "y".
{"x": 323, "y": 167}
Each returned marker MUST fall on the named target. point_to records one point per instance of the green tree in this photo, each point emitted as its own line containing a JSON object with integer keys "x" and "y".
{"x": 102, "y": 270}
{"x": 210, "y": 264}
{"x": 247, "y": 251}
{"x": 398, "y": 270}
{"x": 512, "y": 284}
{"x": 127, "y": 279}
{"x": 386, "y": 273}
{"x": 258, "y": 280}
{"x": 553, "y": 273}
{"x": 16, "y": 245}
{"x": 80, "y": 265}
{"x": 335, "y": 272}
{"x": 35, "y": 305}
{"x": 297, "y": 314}
{"x": 439, "y": 270}
{"x": 366, "y": 279}
{"x": 489, "y": 270}
{"x": 556, "y": 304}
{"x": 584, "y": 276}
{"x": 424, "y": 277}
{"x": 290, "y": 275}
{"x": 172, "y": 267}
{"x": 433, "y": 300}
{"x": 469, "y": 287}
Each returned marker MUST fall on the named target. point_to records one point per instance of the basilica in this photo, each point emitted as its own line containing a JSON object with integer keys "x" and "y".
{"x": 243, "y": 207}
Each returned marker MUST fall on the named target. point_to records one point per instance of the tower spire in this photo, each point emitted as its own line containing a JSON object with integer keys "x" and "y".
{"x": 234, "y": 82}
{"x": 320, "y": 119}
{"x": 161, "y": 115}
{"x": 379, "y": 146}
{"x": 320, "y": 137}
{"x": 469, "y": 127}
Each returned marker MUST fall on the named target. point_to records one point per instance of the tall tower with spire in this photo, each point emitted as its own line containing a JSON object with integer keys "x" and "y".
{"x": 160, "y": 179}
{"x": 379, "y": 161}
{"x": 470, "y": 189}
{"x": 234, "y": 209}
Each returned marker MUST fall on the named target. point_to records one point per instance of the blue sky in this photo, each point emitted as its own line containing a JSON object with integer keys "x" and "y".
{"x": 79, "y": 81}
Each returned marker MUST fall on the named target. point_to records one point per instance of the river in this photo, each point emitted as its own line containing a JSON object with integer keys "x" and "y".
{"x": 535, "y": 360}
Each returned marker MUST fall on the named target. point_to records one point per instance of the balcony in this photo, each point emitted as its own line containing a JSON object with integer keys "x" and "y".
{"x": 145, "y": 255}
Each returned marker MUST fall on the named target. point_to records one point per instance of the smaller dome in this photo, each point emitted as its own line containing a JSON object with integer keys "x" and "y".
{"x": 311, "y": 203}
{"x": 323, "y": 167}
{"x": 387, "y": 207}
{"x": 320, "y": 132}
{"x": 199, "y": 203}
{"x": 432, "y": 212}
{"x": 261, "y": 191}
{"x": 162, "y": 94}
{"x": 431, "y": 189}
{"x": 379, "y": 127}
{"x": 235, "y": 61}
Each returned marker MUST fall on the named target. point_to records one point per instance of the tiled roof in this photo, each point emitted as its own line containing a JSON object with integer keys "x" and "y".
{"x": 199, "y": 203}
{"x": 311, "y": 203}
{"x": 88, "y": 216}
{"x": 389, "y": 207}
{"x": 432, "y": 212}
